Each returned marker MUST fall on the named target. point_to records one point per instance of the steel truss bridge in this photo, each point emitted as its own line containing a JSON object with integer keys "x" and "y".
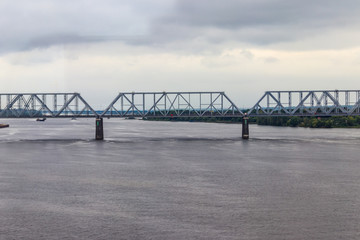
{"x": 180, "y": 104}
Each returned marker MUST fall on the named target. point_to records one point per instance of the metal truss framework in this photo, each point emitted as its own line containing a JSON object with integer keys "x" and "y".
{"x": 172, "y": 104}
{"x": 140, "y": 104}
{"x": 307, "y": 103}
{"x": 181, "y": 104}
{"x": 35, "y": 105}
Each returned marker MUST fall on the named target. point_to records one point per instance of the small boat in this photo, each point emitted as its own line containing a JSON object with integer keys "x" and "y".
{"x": 4, "y": 125}
{"x": 41, "y": 119}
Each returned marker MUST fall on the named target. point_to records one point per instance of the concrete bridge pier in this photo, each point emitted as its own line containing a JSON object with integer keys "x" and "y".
{"x": 245, "y": 127}
{"x": 99, "y": 133}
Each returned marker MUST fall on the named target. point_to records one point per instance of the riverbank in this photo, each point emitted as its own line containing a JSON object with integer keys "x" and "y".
{"x": 310, "y": 122}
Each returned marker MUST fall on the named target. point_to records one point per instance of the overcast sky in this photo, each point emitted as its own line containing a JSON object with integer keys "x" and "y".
{"x": 242, "y": 47}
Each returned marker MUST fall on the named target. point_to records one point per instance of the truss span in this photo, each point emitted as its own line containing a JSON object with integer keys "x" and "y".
{"x": 172, "y": 104}
{"x": 307, "y": 103}
{"x": 44, "y": 105}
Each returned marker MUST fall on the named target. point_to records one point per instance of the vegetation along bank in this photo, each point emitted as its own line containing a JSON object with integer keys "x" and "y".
{"x": 311, "y": 122}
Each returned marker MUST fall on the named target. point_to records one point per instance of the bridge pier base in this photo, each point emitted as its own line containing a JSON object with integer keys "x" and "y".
{"x": 245, "y": 127}
{"x": 99, "y": 132}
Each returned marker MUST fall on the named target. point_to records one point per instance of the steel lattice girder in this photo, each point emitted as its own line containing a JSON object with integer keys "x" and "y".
{"x": 181, "y": 104}
{"x": 172, "y": 104}
{"x": 32, "y": 105}
{"x": 307, "y": 103}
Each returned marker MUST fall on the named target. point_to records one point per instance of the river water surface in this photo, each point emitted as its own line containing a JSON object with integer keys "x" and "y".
{"x": 174, "y": 180}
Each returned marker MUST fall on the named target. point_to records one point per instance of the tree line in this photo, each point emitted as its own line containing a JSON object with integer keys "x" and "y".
{"x": 311, "y": 122}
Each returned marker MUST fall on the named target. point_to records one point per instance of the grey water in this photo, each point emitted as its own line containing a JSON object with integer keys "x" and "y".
{"x": 177, "y": 180}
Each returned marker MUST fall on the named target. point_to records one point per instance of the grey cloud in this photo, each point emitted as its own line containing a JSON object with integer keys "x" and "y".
{"x": 259, "y": 22}
{"x": 249, "y": 55}
{"x": 271, "y": 60}
{"x": 47, "y": 41}
{"x": 41, "y": 23}
{"x": 71, "y": 38}
{"x": 248, "y": 13}
{"x": 185, "y": 24}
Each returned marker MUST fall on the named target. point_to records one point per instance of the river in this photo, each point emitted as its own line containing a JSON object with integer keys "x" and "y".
{"x": 177, "y": 180}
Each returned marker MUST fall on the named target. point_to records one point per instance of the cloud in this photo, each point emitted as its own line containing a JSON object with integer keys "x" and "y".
{"x": 249, "y": 55}
{"x": 179, "y": 25}
{"x": 258, "y": 22}
{"x": 271, "y": 60}
{"x": 25, "y": 25}
{"x": 233, "y": 14}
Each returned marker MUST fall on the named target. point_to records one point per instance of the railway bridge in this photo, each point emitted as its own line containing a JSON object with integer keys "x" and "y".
{"x": 320, "y": 103}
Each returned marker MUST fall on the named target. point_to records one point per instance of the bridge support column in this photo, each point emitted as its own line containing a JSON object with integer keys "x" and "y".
{"x": 99, "y": 133}
{"x": 245, "y": 127}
